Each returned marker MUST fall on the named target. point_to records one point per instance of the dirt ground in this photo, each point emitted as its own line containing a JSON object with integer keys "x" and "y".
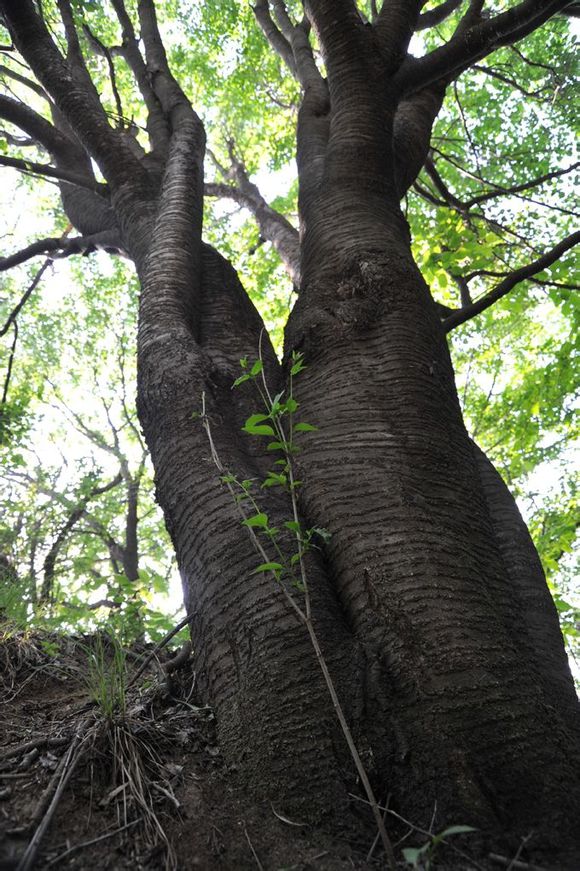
{"x": 134, "y": 780}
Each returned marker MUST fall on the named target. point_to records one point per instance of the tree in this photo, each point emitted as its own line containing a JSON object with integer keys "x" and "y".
{"x": 429, "y": 575}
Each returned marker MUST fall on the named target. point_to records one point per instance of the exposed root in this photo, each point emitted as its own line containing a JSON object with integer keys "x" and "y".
{"x": 52, "y": 795}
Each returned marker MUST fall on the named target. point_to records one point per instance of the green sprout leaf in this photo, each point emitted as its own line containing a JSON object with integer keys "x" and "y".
{"x": 268, "y": 567}
{"x": 258, "y": 520}
{"x": 292, "y": 525}
{"x": 260, "y": 429}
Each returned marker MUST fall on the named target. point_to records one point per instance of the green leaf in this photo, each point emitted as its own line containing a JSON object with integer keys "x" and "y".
{"x": 291, "y": 405}
{"x": 274, "y": 479}
{"x": 305, "y": 427}
{"x": 259, "y": 520}
{"x": 240, "y": 380}
{"x": 456, "y": 830}
{"x": 293, "y": 525}
{"x": 276, "y": 446}
{"x": 262, "y": 429}
{"x": 256, "y": 418}
{"x": 297, "y": 363}
{"x": 413, "y": 855}
{"x": 268, "y": 567}
{"x": 256, "y": 368}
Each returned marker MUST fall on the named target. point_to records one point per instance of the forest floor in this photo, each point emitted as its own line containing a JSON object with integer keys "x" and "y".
{"x": 96, "y": 773}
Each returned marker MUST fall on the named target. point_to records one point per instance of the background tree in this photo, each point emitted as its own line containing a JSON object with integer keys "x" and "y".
{"x": 430, "y": 575}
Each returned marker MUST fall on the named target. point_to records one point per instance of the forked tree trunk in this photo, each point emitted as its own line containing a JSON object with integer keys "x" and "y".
{"x": 429, "y": 600}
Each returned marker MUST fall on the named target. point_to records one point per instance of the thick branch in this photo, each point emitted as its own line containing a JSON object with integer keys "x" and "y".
{"x": 174, "y": 103}
{"x": 45, "y": 133}
{"x": 276, "y": 39}
{"x": 156, "y": 121}
{"x": 394, "y": 26}
{"x": 339, "y": 27}
{"x": 44, "y": 169}
{"x": 510, "y": 282}
{"x": 475, "y": 41}
{"x": 76, "y": 101}
{"x": 65, "y": 247}
{"x": 273, "y": 226}
{"x": 437, "y": 15}
{"x": 412, "y": 133}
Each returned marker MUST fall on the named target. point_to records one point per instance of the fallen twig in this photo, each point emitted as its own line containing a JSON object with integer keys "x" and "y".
{"x": 76, "y": 848}
{"x": 52, "y": 795}
{"x": 251, "y": 846}
{"x": 514, "y": 863}
{"x": 35, "y": 744}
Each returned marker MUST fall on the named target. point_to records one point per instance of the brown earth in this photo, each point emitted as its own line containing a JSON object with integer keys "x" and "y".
{"x": 139, "y": 786}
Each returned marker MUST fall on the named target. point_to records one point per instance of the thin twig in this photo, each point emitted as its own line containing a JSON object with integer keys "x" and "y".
{"x": 513, "y": 863}
{"x": 165, "y": 640}
{"x": 251, "y": 846}
{"x": 77, "y": 847}
{"x": 36, "y": 743}
{"x": 59, "y": 781}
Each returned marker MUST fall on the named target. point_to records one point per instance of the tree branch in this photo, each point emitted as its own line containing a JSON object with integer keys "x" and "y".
{"x": 412, "y": 133}
{"x": 510, "y": 281}
{"x": 276, "y": 39}
{"x": 394, "y": 27}
{"x": 74, "y": 516}
{"x": 65, "y": 247}
{"x": 24, "y": 80}
{"x": 45, "y": 169}
{"x": 41, "y": 130}
{"x": 102, "y": 49}
{"x": 76, "y": 100}
{"x": 489, "y": 71}
{"x": 173, "y": 101}
{"x": 437, "y": 15}
{"x": 24, "y": 298}
{"x": 464, "y": 206}
{"x": 156, "y": 121}
{"x": 474, "y": 40}
{"x": 4, "y": 400}
{"x": 274, "y": 227}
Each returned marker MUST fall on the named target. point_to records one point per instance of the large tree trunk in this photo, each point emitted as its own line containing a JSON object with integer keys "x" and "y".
{"x": 468, "y": 699}
{"x": 429, "y": 602}
{"x": 429, "y": 608}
